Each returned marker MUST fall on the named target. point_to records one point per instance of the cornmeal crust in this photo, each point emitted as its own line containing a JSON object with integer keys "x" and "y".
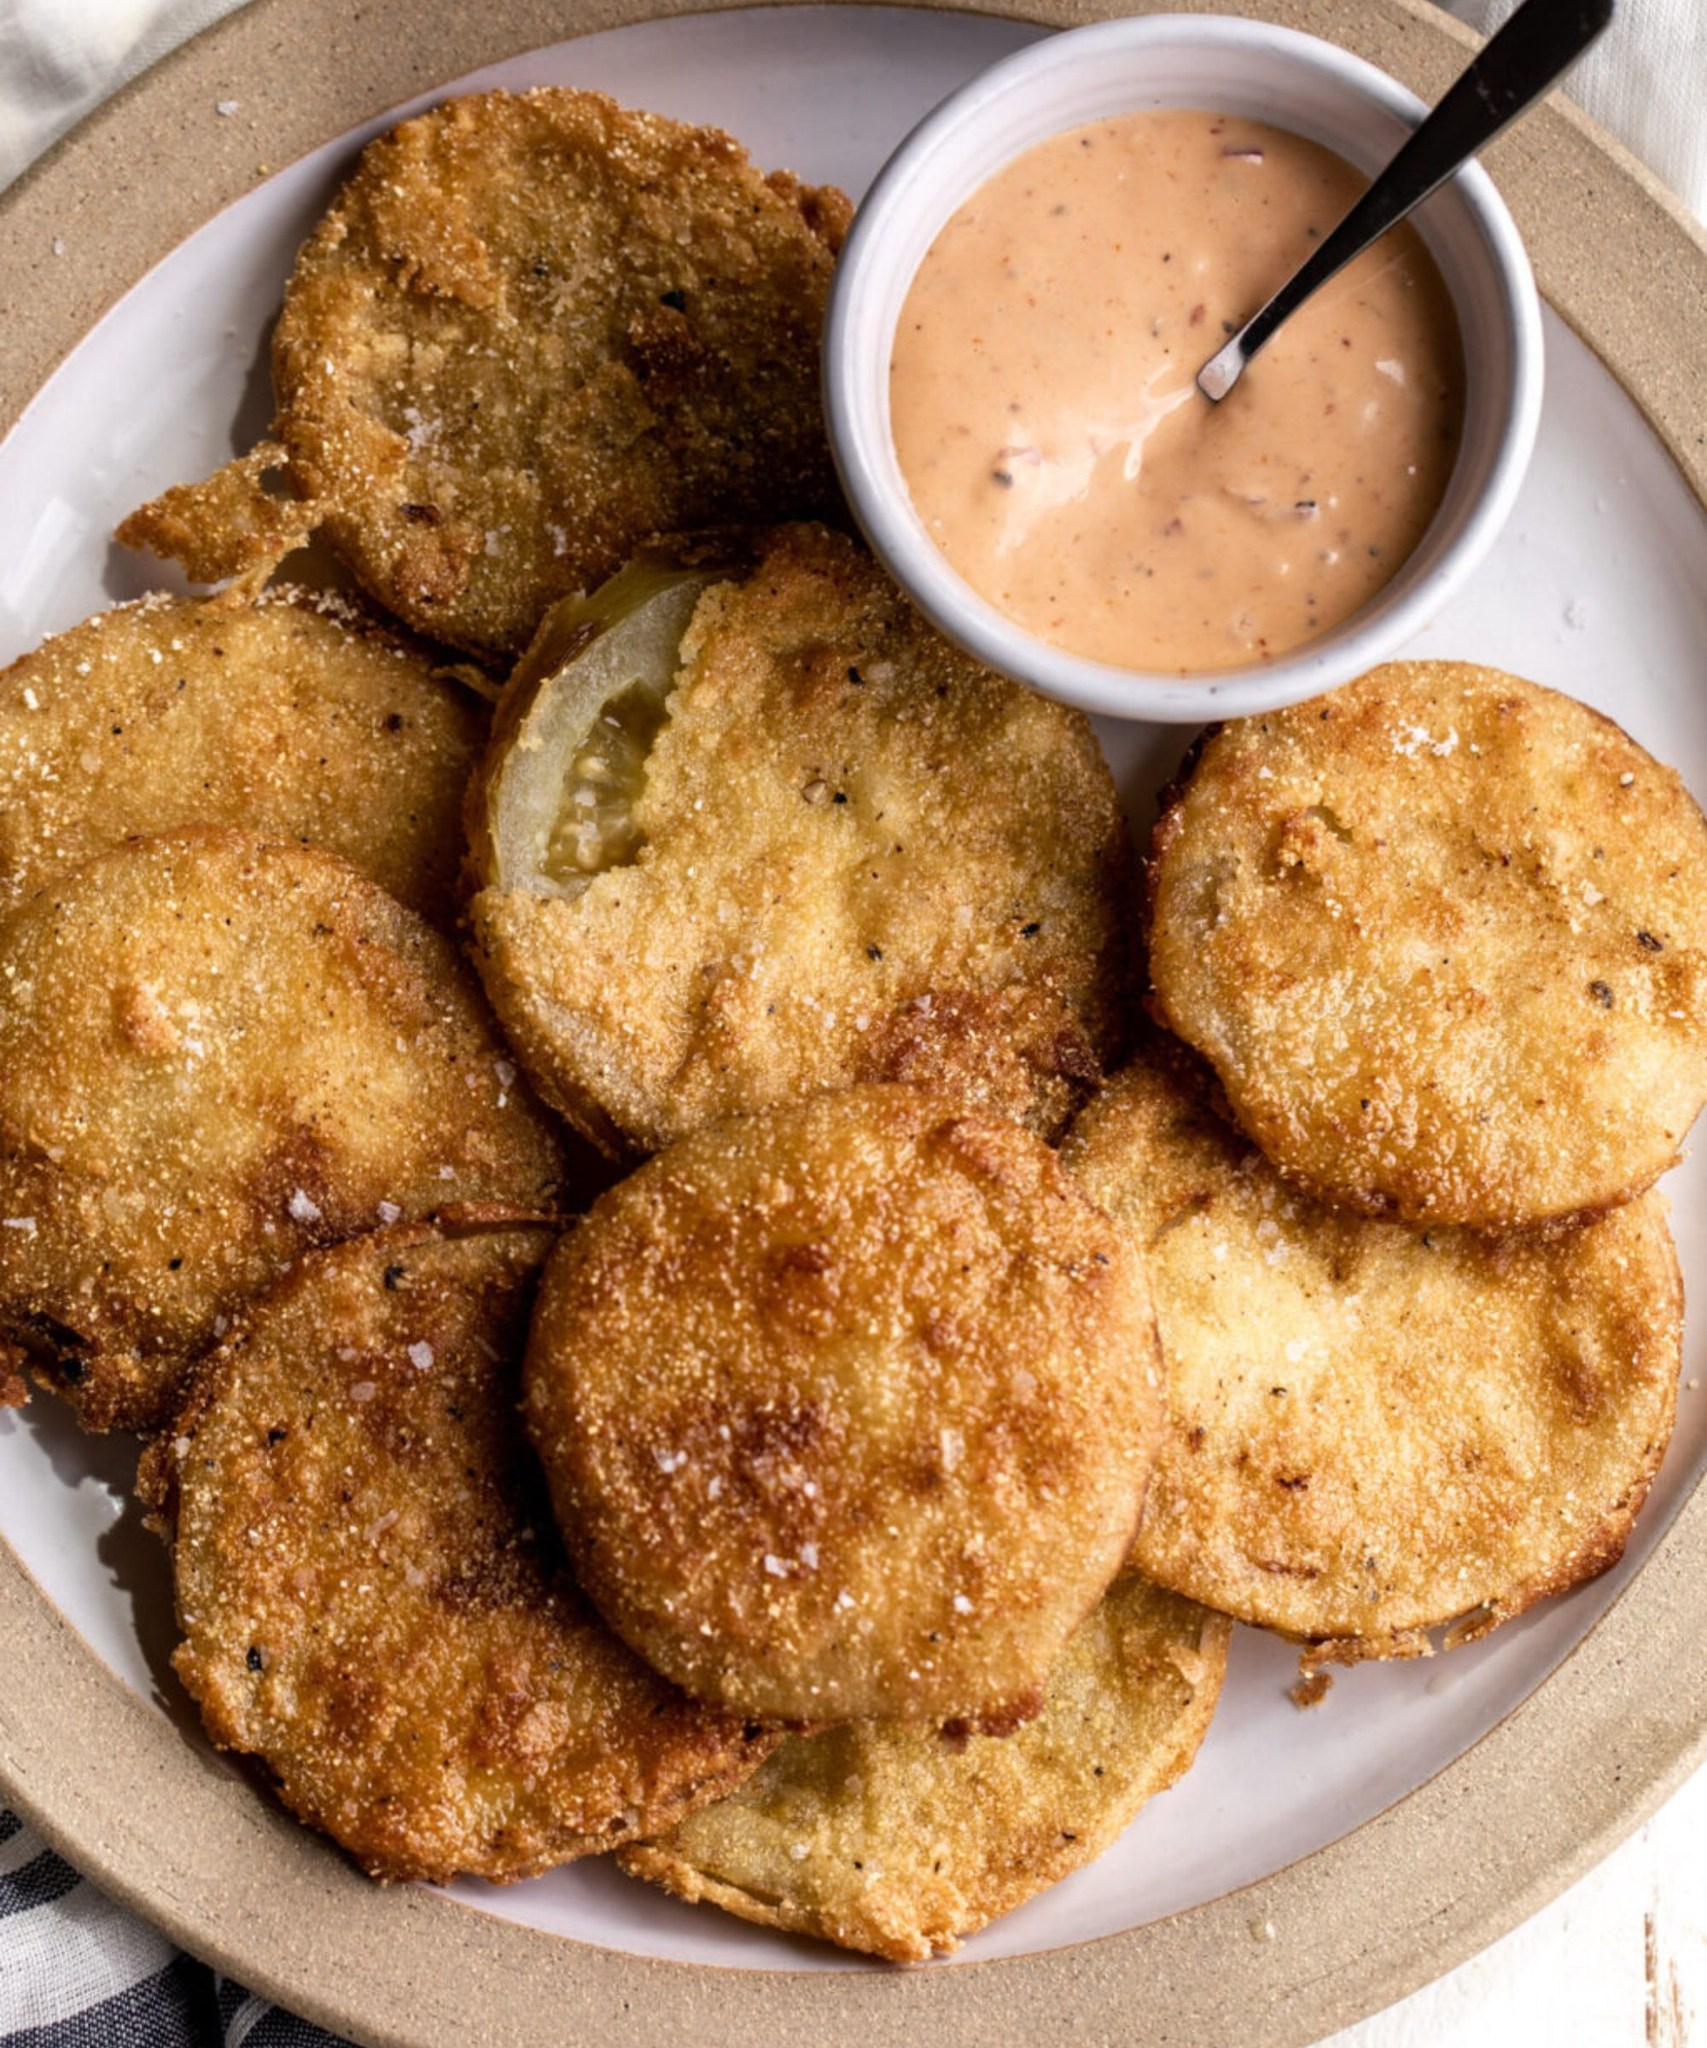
{"x": 534, "y": 329}
{"x": 301, "y": 717}
{"x": 372, "y": 1596}
{"x": 1443, "y": 936}
{"x": 215, "y": 1053}
{"x": 863, "y": 857}
{"x": 887, "y": 1837}
{"x": 848, "y": 1409}
{"x": 1372, "y": 1431}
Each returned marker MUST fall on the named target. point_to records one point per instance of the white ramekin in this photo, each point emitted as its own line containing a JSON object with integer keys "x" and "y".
{"x": 1232, "y": 66}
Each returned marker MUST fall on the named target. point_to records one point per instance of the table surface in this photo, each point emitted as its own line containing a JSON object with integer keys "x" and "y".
{"x": 1620, "y": 1961}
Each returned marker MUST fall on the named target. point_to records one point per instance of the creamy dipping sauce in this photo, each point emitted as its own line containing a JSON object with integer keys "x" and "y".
{"x": 1058, "y": 452}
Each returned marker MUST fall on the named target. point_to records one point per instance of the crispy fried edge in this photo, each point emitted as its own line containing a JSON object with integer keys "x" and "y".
{"x": 157, "y": 1490}
{"x": 1365, "y": 1199}
{"x": 658, "y": 1864}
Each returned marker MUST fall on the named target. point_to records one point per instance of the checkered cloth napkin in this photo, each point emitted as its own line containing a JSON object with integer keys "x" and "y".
{"x": 76, "y": 1971}
{"x": 79, "y": 1972}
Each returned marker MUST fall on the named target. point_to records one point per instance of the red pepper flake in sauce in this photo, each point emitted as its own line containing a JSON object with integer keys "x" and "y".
{"x": 1059, "y": 440}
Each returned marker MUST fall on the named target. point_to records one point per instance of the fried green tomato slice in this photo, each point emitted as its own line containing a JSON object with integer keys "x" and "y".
{"x": 1374, "y": 1432}
{"x": 848, "y": 1409}
{"x": 215, "y": 1054}
{"x": 533, "y": 330}
{"x": 372, "y": 1597}
{"x": 1443, "y": 937}
{"x": 783, "y": 838}
{"x": 897, "y": 1840}
{"x": 299, "y": 718}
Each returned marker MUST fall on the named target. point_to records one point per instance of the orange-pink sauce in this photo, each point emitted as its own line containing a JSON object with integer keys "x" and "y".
{"x": 1056, "y": 448}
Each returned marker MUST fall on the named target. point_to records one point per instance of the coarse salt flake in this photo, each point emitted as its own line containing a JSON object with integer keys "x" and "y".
{"x": 27, "y": 1224}
{"x": 1415, "y": 739}
{"x": 388, "y": 1212}
{"x": 420, "y": 1356}
{"x": 419, "y": 431}
{"x": 775, "y": 1566}
{"x": 302, "y": 1210}
{"x": 961, "y": 1604}
{"x": 809, "y": 1556}
{"x": 226, "y": 108}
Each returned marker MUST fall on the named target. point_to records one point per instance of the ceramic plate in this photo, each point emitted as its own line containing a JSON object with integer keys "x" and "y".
{"x": 1313, "y": 1864}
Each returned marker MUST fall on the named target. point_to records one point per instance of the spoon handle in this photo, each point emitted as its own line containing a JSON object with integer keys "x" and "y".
{"x": 1541, "y": 40}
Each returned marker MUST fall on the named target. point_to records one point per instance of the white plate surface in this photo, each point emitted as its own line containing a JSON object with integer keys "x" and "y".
{"x": 1599, "y": 588}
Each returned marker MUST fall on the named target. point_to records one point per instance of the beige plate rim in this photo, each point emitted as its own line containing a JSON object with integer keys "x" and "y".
{"x": 178, "y": 1836}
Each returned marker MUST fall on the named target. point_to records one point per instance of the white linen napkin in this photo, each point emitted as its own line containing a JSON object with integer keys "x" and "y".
{"x": 1646, "y": 80}
{"x": 59, "y": 58}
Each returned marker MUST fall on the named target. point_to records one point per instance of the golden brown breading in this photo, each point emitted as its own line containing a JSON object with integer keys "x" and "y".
{"x": 235, "y": 526}
{"x": 1374, "y": 1431}
{"x": 216, "y": 1053}
{"x": 531, "y": 331}
{"x": 860, "y": 856}
{"x": 373, "y": 1600}
{"x": 887, "y": 1837}
{"x": 1443, "y": 936}
{"x": 847, "y": 1409}
{"x": 302, "y": 718}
